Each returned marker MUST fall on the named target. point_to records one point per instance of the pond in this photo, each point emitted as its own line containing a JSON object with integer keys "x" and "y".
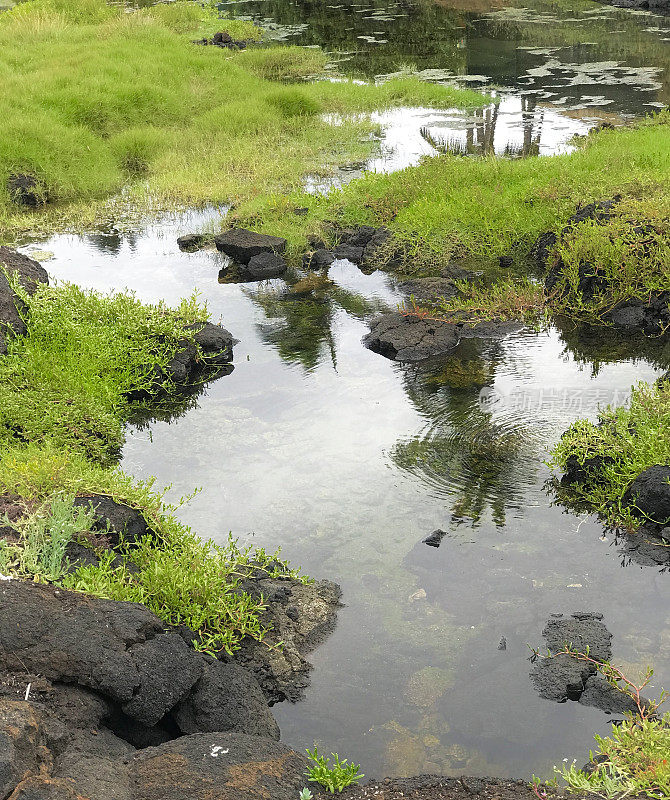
{"x": 347, "y": 461}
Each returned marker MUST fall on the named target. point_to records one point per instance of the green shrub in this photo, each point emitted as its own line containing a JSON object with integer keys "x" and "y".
{"x": 335, "y": 776}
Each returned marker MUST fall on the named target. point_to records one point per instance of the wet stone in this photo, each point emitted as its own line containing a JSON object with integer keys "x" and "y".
{"x": 242, "y": 245}
{"x": 410, "y": 338}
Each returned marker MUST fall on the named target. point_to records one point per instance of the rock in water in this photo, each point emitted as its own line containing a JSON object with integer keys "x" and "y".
{"x": 649, "y": 493}
{"x": 265, "y": 266}
{"x": 435, "y": 538}
{"x": 242, "y": 245}
{"x": 409, "y": 338}
{"x": 191, "y": 242}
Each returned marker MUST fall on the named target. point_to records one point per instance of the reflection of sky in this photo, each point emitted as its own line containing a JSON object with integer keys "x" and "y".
{"x": 302, "y": 458}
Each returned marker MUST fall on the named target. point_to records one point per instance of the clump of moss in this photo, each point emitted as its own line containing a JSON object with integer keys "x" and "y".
{"x": 609, "y": 454}
{"x": 68, "y": 381}
{"x": 183, "y": 579}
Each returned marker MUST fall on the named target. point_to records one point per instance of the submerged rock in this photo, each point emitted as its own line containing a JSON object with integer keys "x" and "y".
{"x": 649, "y": 494}
{"x": 29, "y": 274}
{"x": 410, "y": 338}
{"x": 242, "y": 245}
{"x": 193, "y": 241}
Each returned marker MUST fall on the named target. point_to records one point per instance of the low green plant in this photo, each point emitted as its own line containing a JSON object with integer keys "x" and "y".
{"x": 335, "y": 776}
{"x": 69, "y": 378}
{"x": 183, "y": 579}
{"x": 44, "y": 537}
{"x": 635, "y": 759}
{"x": 305, "y": 794}
{"x": 614, "y": 450}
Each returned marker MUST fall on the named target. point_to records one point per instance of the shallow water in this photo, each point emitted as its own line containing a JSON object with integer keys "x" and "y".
{"x": 348, "y": 461}
{"x": 560, "y": 67}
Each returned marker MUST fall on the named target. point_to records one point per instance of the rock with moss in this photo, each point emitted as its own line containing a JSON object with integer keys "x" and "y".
{"x": 29, "y": 274}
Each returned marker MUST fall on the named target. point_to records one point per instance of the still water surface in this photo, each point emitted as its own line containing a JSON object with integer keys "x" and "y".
{"x": 348, "y": 461}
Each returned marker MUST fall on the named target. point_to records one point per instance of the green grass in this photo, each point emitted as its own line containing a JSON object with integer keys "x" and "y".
{"x": 636, "y": 762}
{"x": 96, "y": 99}
{"x": 68, "y": 380}
{"x": 452, "y": 207}
{"x": 183, "y": 579}
{"x": 629, "y": 440}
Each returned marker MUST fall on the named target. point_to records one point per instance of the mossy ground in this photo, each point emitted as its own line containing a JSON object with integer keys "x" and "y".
{"x": 97, "y": 99}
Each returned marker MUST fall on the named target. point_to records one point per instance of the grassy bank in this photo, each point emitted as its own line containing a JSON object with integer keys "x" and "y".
{"x": 623, "y": 443}
{"x": 97, "y": 99}
{"x": 183, "y": 579}
{"x": 69, "y": 380}
{"x": 452, "y": 207}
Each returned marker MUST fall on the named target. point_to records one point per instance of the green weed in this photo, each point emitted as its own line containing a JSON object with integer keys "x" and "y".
{"x": 335, "y": 776}
{"x": 68, "y": 380}
{"x": 624, "y": 442}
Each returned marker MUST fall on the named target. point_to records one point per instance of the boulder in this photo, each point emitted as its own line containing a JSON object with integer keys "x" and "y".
{"x": 40, "y": 787}
{"x": 580, "y": 630}
{"x": 318, "y": 259}
{"x": 115, "y": 520}
{"x": 215, "y": 342}
{"x": 429, "y": 290}
{"x": 193, "y": 241}
{"x": 119, "y": 650}
{"x": 599, "y": 693}
{"x": 649, "y": 494}
{"x": 560, "y": 678}
{"x": 29, "y": 273}
{"x": 218, "y": 766}
{"x": 242, "y": 245}
{"x": 410, "y": 338}
{"x": 349, "y": 252}
{"x": 226, "y": 698}
{"x": 265, "y": 266}
{"x": 26, "y": 190}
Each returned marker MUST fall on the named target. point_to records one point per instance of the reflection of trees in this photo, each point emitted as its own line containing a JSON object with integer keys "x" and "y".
{"x": 299, "y": 317}
{"x": 462, "y": 454}
{"x": 480, "y": 133}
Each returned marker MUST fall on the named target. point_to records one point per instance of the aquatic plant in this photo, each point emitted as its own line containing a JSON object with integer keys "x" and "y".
{"x": 335, "y": 776}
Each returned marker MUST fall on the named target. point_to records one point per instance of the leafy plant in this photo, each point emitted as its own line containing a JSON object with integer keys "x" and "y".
{"x": 305, "y": 794}
{"x": 335, "y": 776}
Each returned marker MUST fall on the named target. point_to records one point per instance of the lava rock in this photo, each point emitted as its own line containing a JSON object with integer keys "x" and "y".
{"x": 599, "y": 693}
{"x": 560, "y": 678}
{"x": 215, "y": 342}
{"x": 409, "y": 338}
{"x": 120, "y": 650}
{"x": 429, "y": 290}
{"x": 22, "y": 743}
{"x": 435, "y": 538}
{"x": 319, "y": 259}
{"x": 491, "y": 329}
{"x": 223, "y": 39}
{"x": 242, "y": 245}
{"x": 649, "y": 494}
{"x": 218, "y": 766}
{"x": 193, "y": 241}
{"x": 226, "y": 698}
{"x": 265, "y": 266}
{"x": 115, "y": 520}
{"x": 360, "y": 237}
{"x": 26, "y": 190}
{"x": 580, "y": 630}
{"x": 39, "y": 787}
{"x": 349, "y": 252}
{"x": 29, "y": 274}
{"x": 298, "y": 615}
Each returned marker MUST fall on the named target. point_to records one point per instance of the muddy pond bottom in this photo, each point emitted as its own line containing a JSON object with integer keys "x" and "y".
{"x": 347, "y": 461}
